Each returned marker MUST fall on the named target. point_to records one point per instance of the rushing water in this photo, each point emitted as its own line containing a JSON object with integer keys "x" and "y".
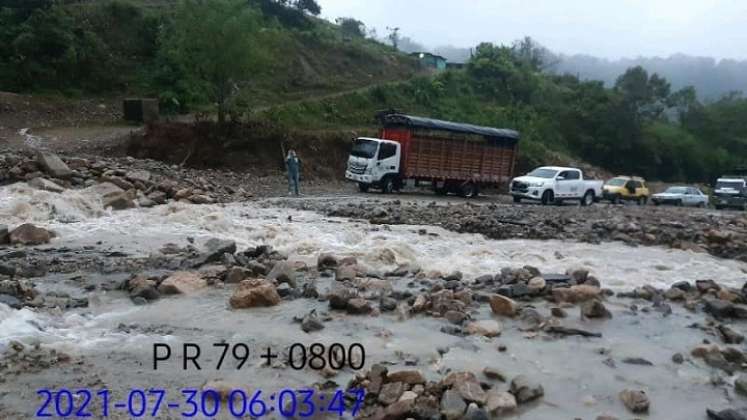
{"x": 576, "y": 381}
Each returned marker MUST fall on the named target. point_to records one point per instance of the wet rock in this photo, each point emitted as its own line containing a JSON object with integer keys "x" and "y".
{"x": 158, "y": 197}
{"x": 728, "y": 414}
{"x": 283, "y": 272}
{"x": 604, "y": 417}
{"x": 326, "y": 262}
{"x": 740, "y": 385}
{"x": 724, "y": 309}
{"x": 500, "y": 402}
{"x": 576, "y": 294}
{"x": 387, "y": 304}
{"x": 678, "y": 358}
{"x": 594, "y": 309}
{"x": 637, "y": 361}
{"x": 526, "y": 390}
{"x": 578, "y": 275}
{"x": 11, "y": 301}
{"x": 486, "y": 327}
{"x": 454, "y": 276}
{"x": 705, "y": 286}
{"x": 635, "y": 401}
{"x": 426, "y": 407}
{"x": 182, "y": 282}
{"x": 503, "y": 306}
{"x": 254, "y": 293}
{"x": 4, "y": 235}
{"x": 682, "y": 285}
{"x": 237, "y": 274}
{"x": 52, "y": 164}
{"x": 214, "y": 249}
{"x": 345, "y": 273}
{"x": 142, "y": 287}
{"x": 410, "y": 377}
{"x": 455, "y": 317}
{"x": 340, "y": 296}
{"x": 558, "y": 312}
{"x": 141, "y": 176}
{"x": 728, "y": 335}
{"x": 391, "y": 392}
{"x": 452, "y": 405}
{"x": 309, "y": 290}
{"x": 494, "y": 374}
{"x": 470, "y": 390}
{"x": 28, "y": 234}
{"x": 46, "y": 185}
{"x": 201, "y": 199}
{"x": 536, "y": 285}
{"x": 675, "y": 294}
{"x": 359, "y": 306}
{"x": 311, "y": 323}
{"x": 474, "y": 412}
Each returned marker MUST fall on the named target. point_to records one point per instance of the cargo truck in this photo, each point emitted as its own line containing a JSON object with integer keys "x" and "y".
{"x": 452, "y": 157}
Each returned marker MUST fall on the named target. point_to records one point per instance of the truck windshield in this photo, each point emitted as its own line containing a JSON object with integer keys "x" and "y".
{"x": 737, "y": 185}
{"x": 676, "y": 190}
{"x": 364, "y": 148}
{"x": 616, "y": 182}
{"x": 543, "y": 173}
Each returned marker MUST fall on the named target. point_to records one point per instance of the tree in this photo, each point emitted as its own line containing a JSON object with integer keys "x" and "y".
{"x": 351, "y": 27}
{"x": 646, "y": 96}
{"x": 393, "y": 36}
{"x": 309, "y": 6}
{"x": 212, "y": 45}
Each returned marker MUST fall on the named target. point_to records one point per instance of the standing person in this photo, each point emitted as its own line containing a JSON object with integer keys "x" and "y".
{"x": 293, "y": 164}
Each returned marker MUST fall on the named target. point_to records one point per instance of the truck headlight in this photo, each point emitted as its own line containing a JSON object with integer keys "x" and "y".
{"x": 536, "y": 184}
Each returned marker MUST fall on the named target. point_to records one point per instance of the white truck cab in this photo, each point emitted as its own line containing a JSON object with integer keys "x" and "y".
{"x": 554, "y": 184}
{"x": 731, "y": 192}
{"x": 374, "y": 162}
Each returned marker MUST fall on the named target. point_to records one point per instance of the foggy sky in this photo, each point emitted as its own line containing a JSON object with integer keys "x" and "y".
{"x": 604, "y": 28}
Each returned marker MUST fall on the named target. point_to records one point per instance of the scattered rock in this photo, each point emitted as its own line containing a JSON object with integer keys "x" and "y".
{"x": 28, "y": 234}
{"x": 486, "y": 327}
{"x": 635, "y": 401}
{"x": 326, "y": 262}
{"x": 526, "y": 390}
{"x": 391, "y": 392}
{"x": 345, "y": 273}
{"x": 311, "y": 323}
{"x": 254, "y": 293}
{"x": 283, "y": 272}
{"x": 46, "y": 185}
{"x": 576, "y": 294}
{"x": 52, "y": 164}
{"x": 410, "y": 377}
{"x": 503, "y": 306}
{"x": 594, "y": 309}
{"x": 237, "y": 274}
{"x": 359, "y": 306}
{"x": 182, "y": 282}
{"x": 452, "y": 405}
{"x": 500, "y": 402}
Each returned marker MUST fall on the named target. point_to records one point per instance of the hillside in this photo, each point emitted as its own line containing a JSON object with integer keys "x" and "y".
{"x": 118, "y": 47}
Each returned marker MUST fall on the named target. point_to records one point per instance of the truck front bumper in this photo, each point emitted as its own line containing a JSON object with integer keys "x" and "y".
{"x": 360, "y": 178}
{"x": 724, "y": 201}
{"x": 531, "y": 193}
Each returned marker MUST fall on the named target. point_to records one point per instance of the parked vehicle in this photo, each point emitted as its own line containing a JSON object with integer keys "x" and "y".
{"x": 555, "y": 184}
{"x": 626, "y": 188}
{"x": 681, "y": 196}
{"x": 730, "y": 191}
{"x": 453, "y": 157}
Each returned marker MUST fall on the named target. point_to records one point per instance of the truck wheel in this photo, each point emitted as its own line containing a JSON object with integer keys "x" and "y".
{"x": 615, "y": 199}
{"x": 363, "y": 187}
{"x": 547, "y": 197}
{"x": 387, "y": 185}
{"x": 467, "y": 190}
{"x": 718, "y": 207}
{"x": 642, "y": 201}
{"x": 678, "y": 203}
{"x": 701, "y": 205}
{"x": 517, "y": 199}
{"x": 588, "y": 199}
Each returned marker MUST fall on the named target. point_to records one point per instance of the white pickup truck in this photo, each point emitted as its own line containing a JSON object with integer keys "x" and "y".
{"x": 554, "y": 184}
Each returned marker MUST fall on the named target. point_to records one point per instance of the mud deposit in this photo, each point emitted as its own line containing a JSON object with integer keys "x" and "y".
{"x": 421, "y": 286}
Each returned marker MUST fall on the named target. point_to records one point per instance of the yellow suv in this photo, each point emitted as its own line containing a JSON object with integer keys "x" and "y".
{"x": 629, "y": 188}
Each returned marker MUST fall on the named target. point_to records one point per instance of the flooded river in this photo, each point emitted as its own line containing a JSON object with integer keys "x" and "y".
{"x": 113, "y": 339}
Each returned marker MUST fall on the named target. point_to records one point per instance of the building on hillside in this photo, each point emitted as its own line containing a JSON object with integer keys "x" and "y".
{"x": 430, "y": 61}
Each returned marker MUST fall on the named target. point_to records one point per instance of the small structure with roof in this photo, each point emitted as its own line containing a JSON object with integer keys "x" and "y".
{"x": 430, "y": 60}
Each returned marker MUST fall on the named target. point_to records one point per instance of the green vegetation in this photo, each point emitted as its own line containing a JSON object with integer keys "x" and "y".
{"x": 638, "y": 127}
{"x": 273, "y": 61}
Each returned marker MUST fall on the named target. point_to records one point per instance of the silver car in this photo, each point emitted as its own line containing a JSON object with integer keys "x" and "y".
{"x": 681, "y": 196}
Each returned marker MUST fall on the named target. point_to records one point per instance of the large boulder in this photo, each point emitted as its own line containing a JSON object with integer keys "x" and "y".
{"x": 486, "y": 327}
{"x": 46, "y": 185}
{"x": 636, "y": 401}
{"x": 28, "y": 234}
{"x": 52, "y": 164}
{"x": 526, "y": 390}
{"x": 576, "y": 294}
{"x": 254, "y": 293}
{"x": 182, "y": 282}
{"x": 214, "y": 250}
{"x": 112, "y": 196}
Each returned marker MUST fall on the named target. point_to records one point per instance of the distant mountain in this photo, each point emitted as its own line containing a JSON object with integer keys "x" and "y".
{"x": 711, "y": 78}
